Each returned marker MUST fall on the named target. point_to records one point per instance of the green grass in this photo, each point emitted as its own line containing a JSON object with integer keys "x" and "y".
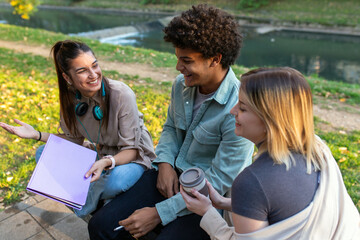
{"x": 340, "y": 91}
{"x": 346, "y": 150}
{"x": 332, "y": 13}
{"x": 28, "y": 91}
{"x": 24, "y": 84}
{"x": 350, "y": 93}
{"x": 325, "y": 12}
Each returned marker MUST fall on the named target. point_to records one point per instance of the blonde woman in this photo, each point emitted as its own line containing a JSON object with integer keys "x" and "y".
{"x": 294, "y": 189}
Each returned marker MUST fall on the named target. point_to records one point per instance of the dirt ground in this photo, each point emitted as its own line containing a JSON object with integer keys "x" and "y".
{"x": 336, "y": 115}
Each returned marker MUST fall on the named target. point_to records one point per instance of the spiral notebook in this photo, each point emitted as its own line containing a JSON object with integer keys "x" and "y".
{"x": 60, "y": 172}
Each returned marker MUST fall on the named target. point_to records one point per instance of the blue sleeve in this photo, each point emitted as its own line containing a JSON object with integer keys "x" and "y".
{"x": 169, "y": 145}
{"x": 172, "y": 208}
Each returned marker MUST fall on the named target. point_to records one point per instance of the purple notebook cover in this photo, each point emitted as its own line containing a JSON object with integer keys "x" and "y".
{"x": 59, "y": 174}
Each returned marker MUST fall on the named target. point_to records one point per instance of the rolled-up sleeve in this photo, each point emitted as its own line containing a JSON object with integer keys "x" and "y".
{"x": 128, "y": 131}
{"x": 172, "y": 208}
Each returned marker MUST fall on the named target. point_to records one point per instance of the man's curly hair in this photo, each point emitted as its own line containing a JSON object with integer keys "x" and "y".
{"x": 207, "y": 30}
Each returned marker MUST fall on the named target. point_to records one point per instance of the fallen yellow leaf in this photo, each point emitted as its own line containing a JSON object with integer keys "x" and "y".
{"x": 343, "y": 149}
{"x": 343, "y": 159}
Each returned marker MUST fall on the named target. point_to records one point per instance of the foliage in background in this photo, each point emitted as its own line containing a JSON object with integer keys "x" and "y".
{"x": 339, "y": 91}
{"x": 156, "y": 1}
{"x": 25, "y": 8}
{"x": 252, "y": 4}
{"x": 325, "y": 12}
{"x": 346, "y": 151}
{"x": 24, "y": 84}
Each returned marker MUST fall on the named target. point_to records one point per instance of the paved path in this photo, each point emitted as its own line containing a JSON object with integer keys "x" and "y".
{"x": 40, "y": 218}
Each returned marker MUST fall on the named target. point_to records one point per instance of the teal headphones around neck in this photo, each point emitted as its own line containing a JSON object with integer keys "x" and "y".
{"x": 82, "y": 107}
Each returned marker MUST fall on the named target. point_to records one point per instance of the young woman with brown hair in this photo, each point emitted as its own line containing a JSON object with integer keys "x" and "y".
{"x": 104, "y": 112}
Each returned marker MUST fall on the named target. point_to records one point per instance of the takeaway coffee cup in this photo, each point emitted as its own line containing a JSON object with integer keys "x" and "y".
{"x": 194, "y": 178}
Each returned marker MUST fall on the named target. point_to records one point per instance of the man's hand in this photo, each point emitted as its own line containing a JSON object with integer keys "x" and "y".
{"x": 167, "y": 181}
{"x": 141, "y": 221}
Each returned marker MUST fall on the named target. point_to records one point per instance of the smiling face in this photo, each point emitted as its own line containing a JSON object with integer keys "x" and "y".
{"x": 247, "y": 123}
{"x": 84, "y": 74}
{"x": 197, "y": 70}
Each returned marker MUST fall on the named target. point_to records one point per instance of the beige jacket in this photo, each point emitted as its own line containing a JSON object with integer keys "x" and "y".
{"x": 126, "y": 129}
{"x": 331, "y": 215}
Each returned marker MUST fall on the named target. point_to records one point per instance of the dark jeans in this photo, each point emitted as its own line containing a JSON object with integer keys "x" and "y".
{"x": 143, "y": 194}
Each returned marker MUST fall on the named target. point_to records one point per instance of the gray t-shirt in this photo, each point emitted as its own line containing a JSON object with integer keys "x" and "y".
{"x": 268, "y": 192}
{"x": 199, "y": 99}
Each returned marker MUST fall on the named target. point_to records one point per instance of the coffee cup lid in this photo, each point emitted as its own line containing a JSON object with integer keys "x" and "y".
{"x": 191, "y": 177}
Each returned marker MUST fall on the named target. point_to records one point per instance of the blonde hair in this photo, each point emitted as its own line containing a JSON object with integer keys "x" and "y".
{"x": 282, "y": 98}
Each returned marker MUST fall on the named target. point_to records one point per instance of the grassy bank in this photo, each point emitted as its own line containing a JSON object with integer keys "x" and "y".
{"x": 339, "y": 91}
{"x": 330, "y": 13}
{"x": 29, "y": 92}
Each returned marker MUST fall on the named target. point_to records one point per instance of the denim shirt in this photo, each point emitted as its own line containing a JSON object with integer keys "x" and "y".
{"x": 207, "y": 142}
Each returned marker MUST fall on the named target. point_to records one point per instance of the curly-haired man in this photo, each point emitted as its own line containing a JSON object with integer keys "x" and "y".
{"x": 199, "y": 132}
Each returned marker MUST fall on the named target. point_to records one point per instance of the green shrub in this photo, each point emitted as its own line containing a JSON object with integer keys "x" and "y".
{"x": 157, "y": 1}
{"x": 252, "y": 4}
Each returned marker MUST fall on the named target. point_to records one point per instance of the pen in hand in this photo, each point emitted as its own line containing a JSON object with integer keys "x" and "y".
{"x": 118, "y": 228}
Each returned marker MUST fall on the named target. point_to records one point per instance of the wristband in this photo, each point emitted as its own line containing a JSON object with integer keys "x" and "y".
{"x": 112, "y": 161}
{"x": 39, "y": 136}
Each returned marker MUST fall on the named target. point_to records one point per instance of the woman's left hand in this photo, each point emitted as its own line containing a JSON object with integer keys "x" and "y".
{"x": 96, "y": 169}
{"x": 198, "y": 204}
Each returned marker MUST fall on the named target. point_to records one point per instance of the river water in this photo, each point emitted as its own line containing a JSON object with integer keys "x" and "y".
{"x": 334, "y": 57}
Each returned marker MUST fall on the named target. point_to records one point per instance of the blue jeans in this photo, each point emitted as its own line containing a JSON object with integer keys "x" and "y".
{"x": 110, "y": 184}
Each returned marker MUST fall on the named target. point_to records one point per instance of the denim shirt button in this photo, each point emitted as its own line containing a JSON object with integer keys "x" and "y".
{"x": 187, "y": 102}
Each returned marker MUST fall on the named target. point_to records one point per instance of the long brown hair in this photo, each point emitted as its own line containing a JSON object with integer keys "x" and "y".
{"x": 282, "y": 98}
{"x": 63, "y": 53}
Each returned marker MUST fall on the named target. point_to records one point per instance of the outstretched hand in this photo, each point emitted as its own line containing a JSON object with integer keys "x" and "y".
{"x": 24, "y": 130}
